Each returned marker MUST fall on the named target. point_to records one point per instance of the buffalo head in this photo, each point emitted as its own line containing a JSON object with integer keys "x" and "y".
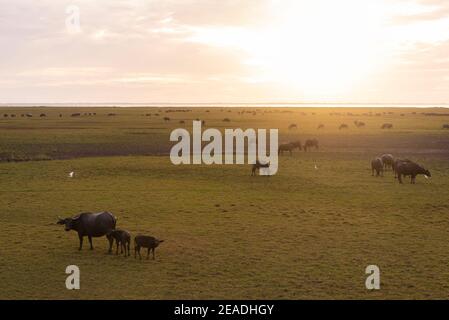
{"x": 68, "y": 223}
{"x": 427, "y": 173}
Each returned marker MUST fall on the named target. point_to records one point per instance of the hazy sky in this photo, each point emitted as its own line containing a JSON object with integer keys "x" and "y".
{"x": 224, "y": 51}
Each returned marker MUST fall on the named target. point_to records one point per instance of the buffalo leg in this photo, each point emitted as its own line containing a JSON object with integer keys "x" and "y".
{"x": 90, "y": 241}
{"x": 153, "y": 253}
{"x": 116, "y": 250}
{"x": 111, "y": 242}
{"x": 128, "y": 249}
{"x": 81, "y": 242}
{"x": 148, "y": 253}
{"x": 400, "y": 178}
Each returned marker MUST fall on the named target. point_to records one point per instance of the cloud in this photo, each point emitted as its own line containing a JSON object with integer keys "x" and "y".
{"x": 197, "y": 50}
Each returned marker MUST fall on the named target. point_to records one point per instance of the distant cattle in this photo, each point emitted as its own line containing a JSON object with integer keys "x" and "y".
{"x": 29, "y": 115}
{"x": 320, "y": 126}
{"x": 75, "y": 114}
{"x": 445, "y": 126}
{"x": 310, "y": 143}
{"x": 378, "y": 166}
{"x": 148, "y": 242}
{"x": 111, "y": 114}
{"x": 343, "y": 126}
{"x": 257, "y": 166}
{"x": 285, "y": 147}
{"x": 182, "y": 121}
{"x": 13, "y": 116}
{"x": 292, "y": 126}
{"x": 387, "y": 126}
{"x": 166, "y": 119}
{"x": 5, "y": 115}
{"x": 359, "y": 124}
{"x": 42, "y": 115}
{"x": 388, "y": 161}
{"x": 226, "y": 120}
{"x": 412, "y": 169}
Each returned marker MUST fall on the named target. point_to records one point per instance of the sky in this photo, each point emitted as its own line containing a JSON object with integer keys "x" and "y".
{"x": 235, "y": 51}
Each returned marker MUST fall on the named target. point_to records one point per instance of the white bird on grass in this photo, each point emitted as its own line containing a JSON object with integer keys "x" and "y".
{"x": 316, "y": 168}
{"x": 71, "y": 174}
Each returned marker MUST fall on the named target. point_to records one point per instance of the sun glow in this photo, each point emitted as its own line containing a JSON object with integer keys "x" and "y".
{"x": 315, "y": 47}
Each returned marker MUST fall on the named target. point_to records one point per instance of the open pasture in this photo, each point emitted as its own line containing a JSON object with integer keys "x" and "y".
{"x": 307, "y": 232}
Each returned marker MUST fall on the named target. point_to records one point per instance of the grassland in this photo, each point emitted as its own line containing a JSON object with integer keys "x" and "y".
{"x": 304, "y": 233}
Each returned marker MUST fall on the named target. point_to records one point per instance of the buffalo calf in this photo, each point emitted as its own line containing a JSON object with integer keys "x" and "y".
{"x": 122, "y": 239}
{"x": 148, "y": 242}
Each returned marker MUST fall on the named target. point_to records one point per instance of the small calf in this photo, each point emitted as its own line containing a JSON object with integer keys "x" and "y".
{"x": 122, "y": 238}
{"x": 148, "y": 242}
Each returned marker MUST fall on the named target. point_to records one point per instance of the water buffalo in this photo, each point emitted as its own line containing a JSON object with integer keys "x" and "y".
{"x": 286, "y": 147}
{"x": 396, "y": 162}
{"x": 378, "y": 166}
{"x": 410, "y": 168}
{"x": 388, "y": 160}
{"x": 311, "y": 143}
{"x": 148, "y": 242}
{"x": 343, "y": 126}
{"x": 257, "y": 166}
{"x": 320, "y": 126}
{"x": 122, "y": 239}
{"x": 91, "y": 225}
{"x": 387, "y": 126}
{"x": 445, "y": 126}
{"x": 292, "y": 126}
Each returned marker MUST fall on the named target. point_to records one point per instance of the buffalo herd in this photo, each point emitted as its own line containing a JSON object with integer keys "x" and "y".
{"x": 400, "y": 167}
{"x": 94, "y": 225}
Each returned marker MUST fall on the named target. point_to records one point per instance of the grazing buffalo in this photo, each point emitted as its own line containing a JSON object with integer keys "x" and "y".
{"x": 378, "y": 166}
{"x": 91, "y": 225}
{"x": 388, "y": 161}
{"x": 343, "y": 126}
{"x": 410, "y": 168}
{"x": 387, "y": 126}
{"x": 123, "y": 239}
{"x": 445, "y": 126}
{"x": 396, "y": 164}
{"x": 166, "y": 119}
{"x": 286, "y": 147}
{"x": 257, "y": 166}
{"x": 292, "y": 126}
{"x": 320, "y": 126}
{"x": 359, "y": 124}
{"x": 311, "y": 143}
{"x": 148, "y": 242}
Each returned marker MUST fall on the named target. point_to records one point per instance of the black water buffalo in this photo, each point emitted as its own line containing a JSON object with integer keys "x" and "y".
{"x": 387, "y": 126}
{"x": 410, "y": 168}
{"x": 343, "y": 126}
{"x": 445, "y": 126}
{"x": 378, "y": 166}
{"x": 388, "y": 160}
{"x": 286, "y": 147}
{"x": 311, "y": 143}
{"x": 91, "y": 225}
{"x": 148, "y": 242}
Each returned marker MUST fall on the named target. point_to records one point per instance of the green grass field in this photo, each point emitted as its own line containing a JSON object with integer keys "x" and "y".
{"x": 303, "y": 233}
